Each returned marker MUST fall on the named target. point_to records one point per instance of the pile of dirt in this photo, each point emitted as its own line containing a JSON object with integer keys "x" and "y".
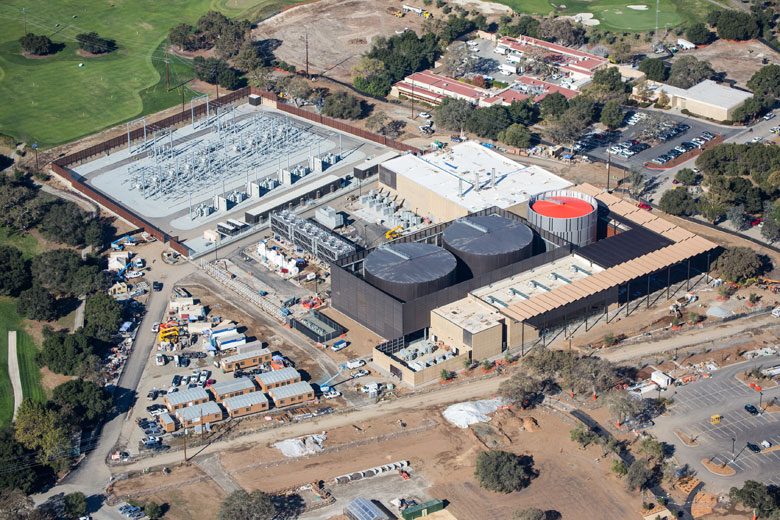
{"x": 703, "y": 504}
{"x": 530, "y": 424}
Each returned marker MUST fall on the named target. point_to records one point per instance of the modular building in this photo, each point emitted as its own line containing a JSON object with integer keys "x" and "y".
{"x": 199, "y": 414}
{"x": 185, "y": 398}
{"x": 288, "y": 395}
{"x": 167, "y": 423}
{"x": 249, "y": 359}
{"x": 227, "y": 389}
{"x": 277, "y": 378}
{"x": 246, "y": 404}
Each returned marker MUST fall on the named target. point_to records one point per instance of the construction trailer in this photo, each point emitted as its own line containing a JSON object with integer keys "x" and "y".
{"x": 246, "y": 360}
{"x": 246, "y": 404}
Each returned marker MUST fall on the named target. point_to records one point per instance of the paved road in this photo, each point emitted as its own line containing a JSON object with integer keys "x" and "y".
{"x": 13, "y": 370}
{"x": 725, "y": 395}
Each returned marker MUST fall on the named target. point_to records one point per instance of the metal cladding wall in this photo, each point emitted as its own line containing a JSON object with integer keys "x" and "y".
{"x": 409, "y": 270}
{"x": 579, "y": 230}
{"x": 485, "y": 243}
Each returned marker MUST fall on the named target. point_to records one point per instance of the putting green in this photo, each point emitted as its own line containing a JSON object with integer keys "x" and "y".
{"x": 54, "y": 100}
{"x": 615, "y": 15}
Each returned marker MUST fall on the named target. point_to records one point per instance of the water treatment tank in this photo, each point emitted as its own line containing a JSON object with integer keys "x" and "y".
{"x": 568, "y": 214}
{"x": 410, "y": 270}
{"x": 488, "y": 242}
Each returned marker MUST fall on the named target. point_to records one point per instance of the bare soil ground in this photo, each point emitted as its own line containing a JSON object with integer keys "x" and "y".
{"x": 361, "y": 340}
{"x": 444, "y": 456}
{"x": 738, "y": 60}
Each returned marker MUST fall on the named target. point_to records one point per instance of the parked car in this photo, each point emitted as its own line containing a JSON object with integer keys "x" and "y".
{"x": 332, "y": 394}
{"x": 176, "y": 381}
{"x": 210, "y": 382}
{"x": 752, "y": 410}
{"x": 152, "y": 395}
{"x": 643, "y": 205}
{"x": 424, "y": 115}
{"x": 754, "y": 448}
{"x": 360, "y": 373}
{"x": 156, "y": 326}
{"x": 769, "y": 116}
{"x": 160, "y": 359}
{"x": 157, "y": 286}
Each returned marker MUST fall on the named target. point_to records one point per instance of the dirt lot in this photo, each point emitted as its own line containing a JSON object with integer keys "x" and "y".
{"x": 361, "y": 340}
{"x": 738, "y": 60}
{"x": 444, "y": 456}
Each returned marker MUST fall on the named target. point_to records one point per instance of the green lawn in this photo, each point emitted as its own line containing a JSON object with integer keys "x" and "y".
{"x": 28, "y": 370}
{"x": 614, "y": 15}
{"x": 26, "y": 243}
{"x": 53, "y": 100}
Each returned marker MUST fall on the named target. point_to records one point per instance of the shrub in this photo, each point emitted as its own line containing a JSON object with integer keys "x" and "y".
{"x": 503, "y": 471}
{"x": 37, "y": 45}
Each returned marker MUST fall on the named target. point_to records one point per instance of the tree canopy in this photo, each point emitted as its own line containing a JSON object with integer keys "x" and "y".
{"x": 677, "y": 202}
{"x": 687, "y": 71}
{"x": 213, "y": 29}
{"x": 81, "y": 403}
{"x": 14, "y": 272}
{"x": 342, "y": 105}
{"x": 36, "y": 44}
{"x": 736, "y": 25}
{"x": 39, "y": 429}
{"x": 754, "y": 495}
{"x": 403, "y": 54}
{"x": 524, "y": 26}
{"x": 516, "y": 135}
{"x": 240, "y": 505}
{"x": 36, "y": 303}
{"x": 503, "y": 471}
{"x": 766, "y": 81}
{"x": 452, "y": 114}
{"x": 553, "y": 105}
{"x": 698, "y": 34}
{"x": 75, "y": 505}
{"x": 66, "y": 353}
{"x": 23, "y": 477}
{"x": 654, "y": 69}
{"x": 611, "y": 115}
{"x": 738, "y": 263}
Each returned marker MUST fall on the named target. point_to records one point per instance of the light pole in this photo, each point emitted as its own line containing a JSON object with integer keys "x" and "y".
{"x": 760, "y": 398}
{"x": 733, "y": 445}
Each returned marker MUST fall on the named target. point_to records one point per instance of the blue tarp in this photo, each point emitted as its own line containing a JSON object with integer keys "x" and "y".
{"x": 126, "y": 326}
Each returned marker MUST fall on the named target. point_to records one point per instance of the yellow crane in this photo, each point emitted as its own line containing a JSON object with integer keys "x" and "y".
{"x": 394, "y": 233}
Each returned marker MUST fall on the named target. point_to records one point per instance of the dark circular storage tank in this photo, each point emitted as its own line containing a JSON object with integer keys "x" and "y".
{"x": 410, "y": 270}
{"x": 488, "y": 242}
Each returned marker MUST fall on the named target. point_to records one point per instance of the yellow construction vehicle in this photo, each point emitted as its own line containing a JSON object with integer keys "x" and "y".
{"x": 394, "y": 233}
{"x": 426, "y": 14}
{"x": 169, "y": 334}
{"x": 395, "y": 12}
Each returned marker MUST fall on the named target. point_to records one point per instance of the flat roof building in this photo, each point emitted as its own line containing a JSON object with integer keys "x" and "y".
{"x": 294, "y": 393}
{"x": 277, "y": 378}
{"x": 466, "y": 178}
{"x": 246, "y": 404}
{"x": 227, "y": 389}
{"x": 184, "y": 398}
{"x": 362, "y": 509}
{"x": 248, "y": 359}
{"x": 708, "y": 98}
{"x": 204, "y": 413}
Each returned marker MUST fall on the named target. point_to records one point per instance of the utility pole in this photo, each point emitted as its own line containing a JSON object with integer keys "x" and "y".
{"x": 35, "y": 147}
{"x": 185, "y": 444}
{"x": 25, "y": 20}
{"x": 306, "y": 39}
{"x": 609, "y": 162}
{"x": 412, "y": 82}
{"x": 182, "y": 99}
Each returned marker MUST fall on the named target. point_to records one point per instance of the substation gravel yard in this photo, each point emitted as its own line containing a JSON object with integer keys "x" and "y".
{"x": 442, "y": 460}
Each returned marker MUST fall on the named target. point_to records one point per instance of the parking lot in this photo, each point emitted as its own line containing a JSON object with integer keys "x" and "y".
{"x": 724, "y": 395}
{"x": 635, "y": 132}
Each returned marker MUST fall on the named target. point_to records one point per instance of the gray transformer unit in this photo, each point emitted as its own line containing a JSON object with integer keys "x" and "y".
{"x": 410, "y": 270}
{"x": 568, "y": 214}
{"x": 485, "y": 243}
{"x": 309, "y": 235}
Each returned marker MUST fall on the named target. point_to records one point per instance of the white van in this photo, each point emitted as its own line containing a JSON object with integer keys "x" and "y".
{"x": 355, "y": 363}
{"x": 776, "y": 312}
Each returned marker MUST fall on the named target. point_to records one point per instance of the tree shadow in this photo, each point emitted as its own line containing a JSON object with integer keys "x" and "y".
{"x": 67, "y": 305}
{"x": 95, "y": 502}
{"x": 289, "y": 506}
{"x": 268, "y": 46}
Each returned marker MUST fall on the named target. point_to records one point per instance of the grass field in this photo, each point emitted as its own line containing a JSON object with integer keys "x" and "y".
{"x": 614, "y": 15}
{"x": 28, "y": 369}
{"x": 52, "y": 100}
{"x": 26, "y": 243}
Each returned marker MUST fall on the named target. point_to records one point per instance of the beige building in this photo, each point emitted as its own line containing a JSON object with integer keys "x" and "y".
{"x": 249, "y": 359}
{"x": 277, "y": 378}
{"x": 466, "y": 178}
{"x": 706, "y": 99}
{"x": 246, "y": 404}
{"x": 288, "y": 395}
{"x": 228, "y": 389}
{"x": 199, "y": 414}
{"x": 185, "y": 398}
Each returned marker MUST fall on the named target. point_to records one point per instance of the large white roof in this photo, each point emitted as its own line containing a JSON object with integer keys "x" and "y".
{"x": 710, "y": 93}
{"x": 459, "y": 167}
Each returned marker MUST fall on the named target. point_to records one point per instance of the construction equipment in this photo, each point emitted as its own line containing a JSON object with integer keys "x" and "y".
{"x": 171, "y": 334}
{"x": 396, "y": 12}
{"x": 394, "y": 233}
{"x": 715, "y": 419}
{"x": 311, "y": 303}
{"x": 119, "y": 243}
{"x": 404, "y": 474}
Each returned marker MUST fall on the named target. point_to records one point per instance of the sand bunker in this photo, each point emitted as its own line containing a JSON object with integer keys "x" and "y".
{"x": 637, "y": 7}
{"x": 484, "y": 7}
{"x": 586, "y": 19}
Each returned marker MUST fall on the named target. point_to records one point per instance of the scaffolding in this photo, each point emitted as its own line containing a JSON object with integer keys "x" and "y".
{"x": 311, "y": 236}
{"x": 242, "y": 289}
